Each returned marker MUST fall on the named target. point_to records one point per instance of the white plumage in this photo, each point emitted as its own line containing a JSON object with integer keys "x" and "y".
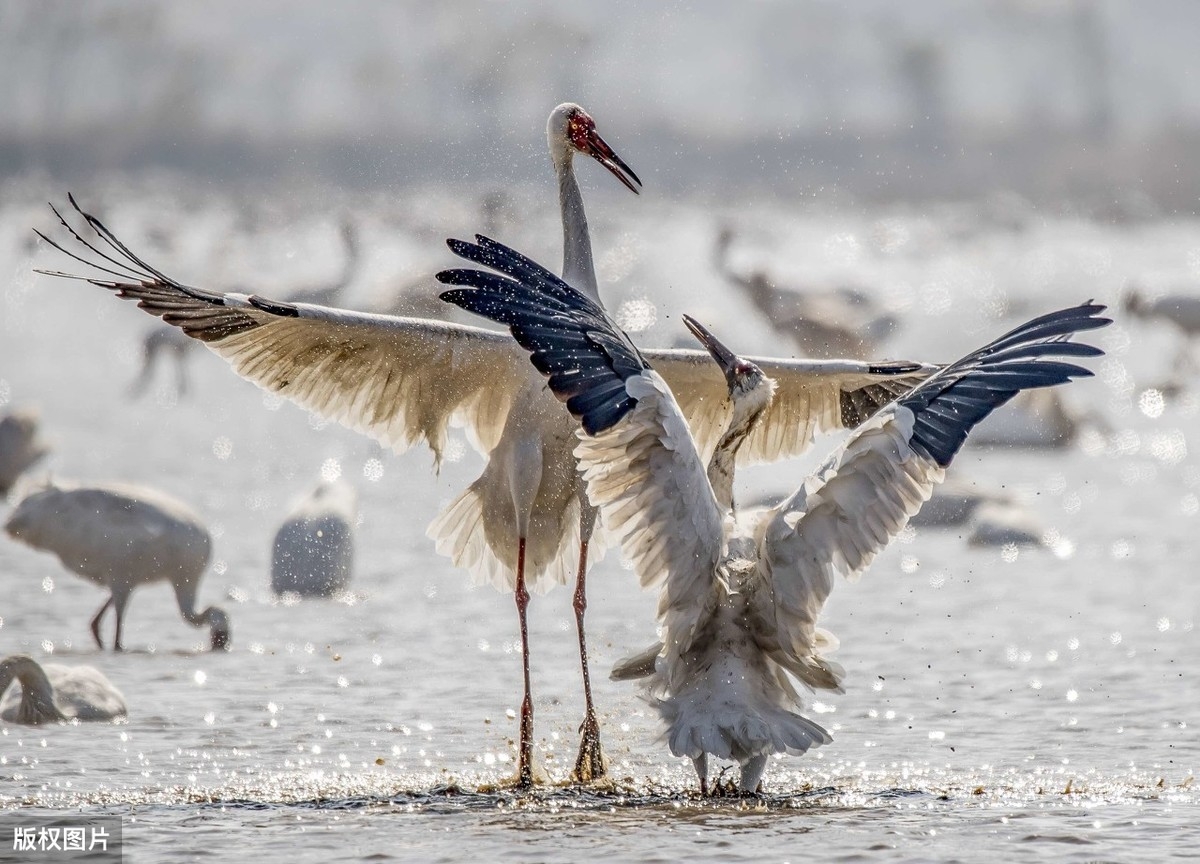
{"x": 403, "y": 381}
{"x": 169, "y": 342}
{"x": 313, "y": 551}
{"x": 740, "y": 593}
{"x": 119, "y": 537}
{"x": 55, "y": 693}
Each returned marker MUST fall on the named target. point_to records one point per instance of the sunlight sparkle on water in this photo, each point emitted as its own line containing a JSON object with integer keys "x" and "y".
{"x": 373, "y": 470}
{"x": 1151, "y": 403}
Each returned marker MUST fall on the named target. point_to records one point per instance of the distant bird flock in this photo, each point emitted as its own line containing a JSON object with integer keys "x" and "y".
{"x": 588, "y": 440}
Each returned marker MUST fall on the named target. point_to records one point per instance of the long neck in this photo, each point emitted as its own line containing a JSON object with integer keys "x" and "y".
{"x": 724, "y": 458}
{"x": 351, "y": 265}
{"x": 578, "y": 269}
{"x": 185, "y": 595}
{"x": 37, "y": 695}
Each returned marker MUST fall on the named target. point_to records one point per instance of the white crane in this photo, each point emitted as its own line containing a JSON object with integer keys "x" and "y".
{"x": 1180, "y": 310}
{"x": 121, "y": 536}
{"x": 830, "y": 322}
{"x": 740, "y": 593}
{"x": 402, "y": 381}
{"x": 313, "y": 552}
{"x": 55, "y": 693}
{"x": 20, "y": 447}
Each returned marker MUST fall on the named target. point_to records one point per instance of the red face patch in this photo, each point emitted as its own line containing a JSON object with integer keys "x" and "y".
{"x": 580, "y": 128}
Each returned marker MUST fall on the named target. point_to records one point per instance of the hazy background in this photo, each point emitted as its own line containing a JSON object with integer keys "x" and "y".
{"x": 1085, "y": 104}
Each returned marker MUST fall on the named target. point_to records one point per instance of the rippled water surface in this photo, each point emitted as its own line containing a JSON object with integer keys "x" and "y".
{"x": 1001, "y": 704}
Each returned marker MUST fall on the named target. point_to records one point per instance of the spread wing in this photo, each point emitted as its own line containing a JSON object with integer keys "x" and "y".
{"x": 811, "y": 397}
{"x": 636, "y": 453}
{"x": 851, "y": 508}
{"x": 399, "y": 380}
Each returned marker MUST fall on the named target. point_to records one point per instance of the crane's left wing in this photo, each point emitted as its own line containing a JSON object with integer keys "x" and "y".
{"x": 399, "y": 380}
{"x": 852, "y": 507}
{"x": 811, "y": 397}
{"x": 635, "y": 452}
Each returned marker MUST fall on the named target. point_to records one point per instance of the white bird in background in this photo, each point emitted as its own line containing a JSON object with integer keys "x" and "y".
{"x": 120, "y": 537}
{"x": 54, "y": 693}
{"x": 838, "y": 322}
{"x": 168, "y": 341}
{"x": 740, "y": 593}
{"x": 1181, "y": 310}
{"x": 313, "y": 553}
{"x": 20, "y": 447}
{"x": 403, "y": 380}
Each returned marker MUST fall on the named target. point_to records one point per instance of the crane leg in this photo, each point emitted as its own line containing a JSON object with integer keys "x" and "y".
{"x": 701, "y": 764}
{"x": 119, "y": 602}
{"x": 590, "y": 764}
{"x": 96, "y": 622}
{"x": 149, "y": 361}
{"x": 181, "y": 372}
{"x": 752, "y": 772}
{"x": 525, "y": 744}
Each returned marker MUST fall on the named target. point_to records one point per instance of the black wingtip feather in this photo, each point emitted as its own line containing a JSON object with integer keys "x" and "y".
{"x": 571, "y": 339}
{"x": 950, "y": 403}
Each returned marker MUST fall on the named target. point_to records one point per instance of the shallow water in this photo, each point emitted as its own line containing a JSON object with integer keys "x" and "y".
{"x": 1000, "y": 703}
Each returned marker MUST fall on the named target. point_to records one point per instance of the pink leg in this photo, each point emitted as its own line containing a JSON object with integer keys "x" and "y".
{"x": 525, "y": 746}
{"x": 589, "y": 765}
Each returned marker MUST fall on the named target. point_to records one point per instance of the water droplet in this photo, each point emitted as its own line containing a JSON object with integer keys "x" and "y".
{"x": 47, "y": 584}
{"x": 373, "y": 470}
{"x": 210, "y": 718}
{"x": 222, "y": 448}
{"x": 331, "y": 469}
{"x": 199, "y": 676}
{"x": 1151, "y": 403}
{"x": 634, "y": 316}
{"x": 1072, "y": 695}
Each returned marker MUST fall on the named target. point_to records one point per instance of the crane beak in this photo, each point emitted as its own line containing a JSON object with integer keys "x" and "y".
{"x": 598, "y": 149}
{"x": 730, "y": 363}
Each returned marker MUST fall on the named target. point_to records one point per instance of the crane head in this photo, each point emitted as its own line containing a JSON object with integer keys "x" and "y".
{"x": 741, "y": 375}
{"x": 570, "y": 128}
{"x": 218, "y": 623}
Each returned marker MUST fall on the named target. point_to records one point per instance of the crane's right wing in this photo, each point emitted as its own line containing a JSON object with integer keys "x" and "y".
{"x": 399, "y": 380}
{"x": 635, "y": 452}
{"x": 851, "y": 508}
{"x": 811, "y": 397}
